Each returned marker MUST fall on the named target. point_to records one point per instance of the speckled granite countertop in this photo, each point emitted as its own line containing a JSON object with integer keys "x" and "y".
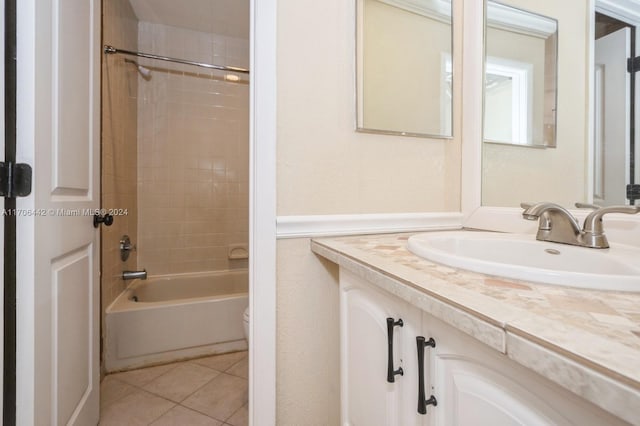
{"x": 585, "y": 340}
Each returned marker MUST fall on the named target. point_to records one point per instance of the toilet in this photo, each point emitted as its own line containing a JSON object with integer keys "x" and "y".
{"x": 245, "y": 323}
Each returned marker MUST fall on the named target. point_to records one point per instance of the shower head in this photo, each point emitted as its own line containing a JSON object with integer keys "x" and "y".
{"x": 144, "y": 71}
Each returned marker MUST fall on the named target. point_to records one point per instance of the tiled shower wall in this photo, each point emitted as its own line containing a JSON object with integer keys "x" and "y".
{"x": 119, "y": 135}
{"x": 193, "y": 153}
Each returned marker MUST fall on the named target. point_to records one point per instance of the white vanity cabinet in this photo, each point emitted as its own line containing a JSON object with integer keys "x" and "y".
{"x": 477, "y": 385}
{"x": 368, "y": 398}
{"x": 473, "y": 384}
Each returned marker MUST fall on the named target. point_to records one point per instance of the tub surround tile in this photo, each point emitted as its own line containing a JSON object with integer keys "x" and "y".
{"x": 582, "y": 338}
{"x": 181, "y": 416}
{"x": 137, "y": 408}
{"x": 180, "y": 382}
{"x": 199, "y": 123}
{"x": 221, "y": 362}
{"x": 220, "y": 398}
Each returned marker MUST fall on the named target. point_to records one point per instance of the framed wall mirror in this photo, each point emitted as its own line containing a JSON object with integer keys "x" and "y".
{"x": 520, "y": 77}
{"x": 404, "y": 67}
{"x": 596, "y": 155}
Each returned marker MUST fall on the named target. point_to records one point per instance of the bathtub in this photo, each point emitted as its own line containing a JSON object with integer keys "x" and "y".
{"x": 172, "y": 317}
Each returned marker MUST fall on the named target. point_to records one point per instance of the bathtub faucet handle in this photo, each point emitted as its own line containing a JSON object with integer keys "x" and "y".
{"x": 126, "y": 247}
{"x": 134, "y": 275}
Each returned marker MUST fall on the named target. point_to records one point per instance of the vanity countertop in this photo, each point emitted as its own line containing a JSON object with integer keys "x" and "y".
{"x": 587, "y": 341}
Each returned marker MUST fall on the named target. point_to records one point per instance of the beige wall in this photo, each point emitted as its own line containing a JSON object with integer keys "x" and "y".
{"x": 119, "y": 133}
{"x": 325, "y": 167}
{"x": 512, "y": 174}
{"x": 308, "y": 358}
{"x": 193, "y": 153}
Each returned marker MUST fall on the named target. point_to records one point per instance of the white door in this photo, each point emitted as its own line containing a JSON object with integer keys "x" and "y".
{"x": 368, "y": 399}
{"x": 58, "y": 247}
{"x": 612, "y": 118}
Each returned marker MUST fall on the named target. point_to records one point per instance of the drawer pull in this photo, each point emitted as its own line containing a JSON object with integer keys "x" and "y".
{"x": 421, "y": 343}
{"x": 391, "y": 373}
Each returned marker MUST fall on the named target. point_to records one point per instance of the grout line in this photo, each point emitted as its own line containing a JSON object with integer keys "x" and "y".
{"x": 200, "y": 412}
{"x": 158, "y": 418}
{"x": 234, "y": 413}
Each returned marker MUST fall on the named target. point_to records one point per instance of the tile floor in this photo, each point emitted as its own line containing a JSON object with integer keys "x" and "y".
{"x": 209, "y": 391}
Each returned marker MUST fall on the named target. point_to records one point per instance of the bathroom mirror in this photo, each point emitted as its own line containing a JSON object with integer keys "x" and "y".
{"x": 404, "y": 68}
{"x": 592, "y": 161}
{"x": 520, "y": 77}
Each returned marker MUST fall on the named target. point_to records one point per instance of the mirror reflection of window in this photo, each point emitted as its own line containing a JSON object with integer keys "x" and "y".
{"x": 520, "y": 74}
{"x": 508, "y": 101}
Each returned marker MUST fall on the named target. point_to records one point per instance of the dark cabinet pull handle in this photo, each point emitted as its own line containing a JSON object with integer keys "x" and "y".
{"x": 421, "y": 342}
{"x": 107, "y": 219}
{"x": 391, "y": 373}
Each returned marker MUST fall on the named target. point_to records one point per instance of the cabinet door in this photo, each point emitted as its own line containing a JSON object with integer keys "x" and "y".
{"x": 368, "y": 399}
{"x": 476, "y": 385}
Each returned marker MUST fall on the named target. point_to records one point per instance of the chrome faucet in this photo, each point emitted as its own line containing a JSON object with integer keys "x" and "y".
{"x": 558, "y": 225}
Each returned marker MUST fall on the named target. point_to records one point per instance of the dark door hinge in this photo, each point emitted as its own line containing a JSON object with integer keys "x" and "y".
{"x": 15, "y": 180}
{"x": 633, "y": 192}
{"x": 633, "y": 64}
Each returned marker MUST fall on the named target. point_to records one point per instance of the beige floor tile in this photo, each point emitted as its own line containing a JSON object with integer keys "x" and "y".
{"x": 240, "y": 417}
{"x": 143, "y": 376}
{"x": 180, "y": 382}
{"x": 181, "y": 416}
{"x": 240, "y": 369}
{"x": 220, "y": 398}
{"x": 221, "y": 362}
{"x": 112, "y": 390}
{"x": 137, "y": 408}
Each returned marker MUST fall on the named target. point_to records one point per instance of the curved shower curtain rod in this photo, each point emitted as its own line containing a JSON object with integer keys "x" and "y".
{"x": 111, "y": 50}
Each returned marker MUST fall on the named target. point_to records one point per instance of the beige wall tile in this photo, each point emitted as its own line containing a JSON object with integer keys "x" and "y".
{"x": 119, "y": 153}
{"x": 192, "y": 160}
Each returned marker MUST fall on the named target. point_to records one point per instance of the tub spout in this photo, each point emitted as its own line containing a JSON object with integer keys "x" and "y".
{"x": 133, "y": 275}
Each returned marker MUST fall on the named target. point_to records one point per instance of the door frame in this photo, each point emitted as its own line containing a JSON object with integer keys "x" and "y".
{"x": 25, "y": 108}
{"x": 262, "y": 214}
{"x": 627, "y": 11}
{"x": 4, "y": 339}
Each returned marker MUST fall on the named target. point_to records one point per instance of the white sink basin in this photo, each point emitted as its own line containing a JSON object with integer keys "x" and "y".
{"x": 522, "y": 257}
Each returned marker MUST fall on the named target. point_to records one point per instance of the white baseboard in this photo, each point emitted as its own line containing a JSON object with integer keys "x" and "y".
{"x": 358, "y": 224}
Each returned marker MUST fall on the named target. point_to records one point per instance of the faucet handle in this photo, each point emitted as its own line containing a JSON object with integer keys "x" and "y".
{"x": 593, "y": 230}
{"x": 617, "y": 209}
{"x": 580, "y": 205}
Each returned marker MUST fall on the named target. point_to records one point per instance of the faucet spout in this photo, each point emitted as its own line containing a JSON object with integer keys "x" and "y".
{"x": 556, "y": 224}
{"x": 132, "y": 275}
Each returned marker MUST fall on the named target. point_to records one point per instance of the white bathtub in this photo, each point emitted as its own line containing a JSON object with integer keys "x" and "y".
{"x": 172, "y": 317}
